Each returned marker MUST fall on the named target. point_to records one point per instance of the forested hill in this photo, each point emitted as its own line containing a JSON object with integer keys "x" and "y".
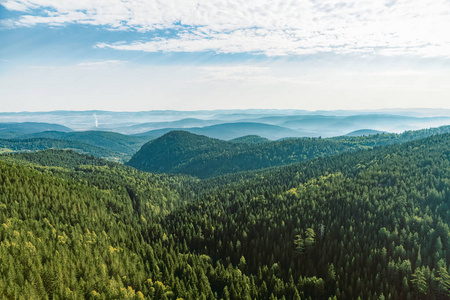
{"x": 371, "y": 224}
{"x": 175, "y": 149}
{"x": 11, "y": 130}
{"x": 84, "y": 230}
{"x": 250, "y": 139}
{"x": 39, "y": 144}
{"x": 363, "y": 132}
{"x": 112, "y": 141}
{"x": 187, "y": 153}
{"x": 108, "y": 145}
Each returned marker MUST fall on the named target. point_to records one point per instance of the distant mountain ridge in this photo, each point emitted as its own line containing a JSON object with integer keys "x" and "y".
{"x": 228, "y": 131}
{"x": 293, "y": 123}
{"x": 183, "y": 123}
{"x": 306, "y": 123}
{"x": 363, "y": 132}
{"x": 187, "y": 153}
{"x": 112, "y": 141}
{"x": 14, "y": 129}
{"x": 233, "y": 125}
{"x": 108, "y": 145}
{"x": 39, "y": 144}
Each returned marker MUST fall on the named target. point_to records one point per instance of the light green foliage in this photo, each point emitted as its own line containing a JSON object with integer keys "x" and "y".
{"x": 370, "y": 224}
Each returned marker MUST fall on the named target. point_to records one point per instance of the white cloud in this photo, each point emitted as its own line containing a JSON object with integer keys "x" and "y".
{"x": 398, "y": 73}
{"x": 82, "y": 65}
{"x": 273, "y": 28}
{"x": 105, "y": 63}
{"x": 247, "y": 74}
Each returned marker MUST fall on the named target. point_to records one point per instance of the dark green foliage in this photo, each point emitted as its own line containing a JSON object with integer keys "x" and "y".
{"x": 372, "y": 224}
{"x": 175, "y": 149}
{"x": 127, "y": 145}
{"x": 250, "y": 139}
{"x": 14, "y": 130}
{"x": 108, "y": 145}
{"x": 186, "y": 153}
{"x": 38, "y": 144}
{"x": 377, "y": 216}
{"x": 364, "y": 132}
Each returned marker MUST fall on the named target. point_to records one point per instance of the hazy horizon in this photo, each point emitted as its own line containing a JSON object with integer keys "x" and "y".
{"x": 252, "y": 109}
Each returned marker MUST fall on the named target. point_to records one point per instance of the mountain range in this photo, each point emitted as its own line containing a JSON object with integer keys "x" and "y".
{"x": 294, "y": 123}
{"x": 187, "y": 153}
{"x": 257, "y": 138}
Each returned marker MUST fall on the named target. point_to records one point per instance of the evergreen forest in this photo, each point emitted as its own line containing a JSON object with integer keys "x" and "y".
{"x": 187, "y": 153}
{"x": 353, "y": 218}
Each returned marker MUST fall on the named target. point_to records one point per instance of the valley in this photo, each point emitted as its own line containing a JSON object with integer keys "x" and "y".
{"x": 246, "y": 218}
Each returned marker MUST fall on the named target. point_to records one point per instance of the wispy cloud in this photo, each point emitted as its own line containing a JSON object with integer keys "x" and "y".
{"x": 105, "y": 63}
{"x": 47, "y": 67}
{"x": 272, "y": 28}
{"x": 398, "y": 73}
{"x": 230, "y": 73}
{"x": 247, "y": 74}
{"x": 82, "y": 65}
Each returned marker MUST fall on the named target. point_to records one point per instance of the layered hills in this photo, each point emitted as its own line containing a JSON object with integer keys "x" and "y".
{"x": 16, "y": 129}
{"x": 298, "y": 123}
{"x": 112, "y": 141}
{"x": 187, "y": 153}
{"x": 39, "y": 144}
{"x": 228, "y": 131}
{"x": 363, "y": 132}
{"x": 37, "y": 136}
{"x": 370, "y": 224}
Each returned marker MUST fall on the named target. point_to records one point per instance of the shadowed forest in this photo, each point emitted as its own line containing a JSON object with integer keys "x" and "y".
{"x": 370, "y": 222}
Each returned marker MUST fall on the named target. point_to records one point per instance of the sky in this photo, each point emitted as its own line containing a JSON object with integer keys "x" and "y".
{"x": 133, "y": 55}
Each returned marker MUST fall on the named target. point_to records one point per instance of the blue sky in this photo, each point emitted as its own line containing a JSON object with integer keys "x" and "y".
{"x": 198, "y": 54}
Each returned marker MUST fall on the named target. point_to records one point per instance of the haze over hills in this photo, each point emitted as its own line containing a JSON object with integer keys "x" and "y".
{"x": 13, "y": 129}
{"x": 183, "y": 123}
{"x": 113, "y": 141}
{"x": 363, "y": 132}
{"x": 39, "y": 144}
{"x": 227, "y": 125}
{"x": 299, "y": 123}
{"x": 109, "y": 145}
{"x": 228, "y": 131}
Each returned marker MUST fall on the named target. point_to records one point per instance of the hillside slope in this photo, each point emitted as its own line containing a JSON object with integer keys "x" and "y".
{"x": 14, "y": 130}
{"x": 39, "y": 144}
{"x": 187, "y": 153}
{"x": 67, "y": 232}
{"x": 174, "y": 149}
{"x": 371, "y": 224}
{"x": 250, "y": 139}
{"x": 363, "y": 132}
{"x": 209, "y": 157}
{"x": 125, "y": 144}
